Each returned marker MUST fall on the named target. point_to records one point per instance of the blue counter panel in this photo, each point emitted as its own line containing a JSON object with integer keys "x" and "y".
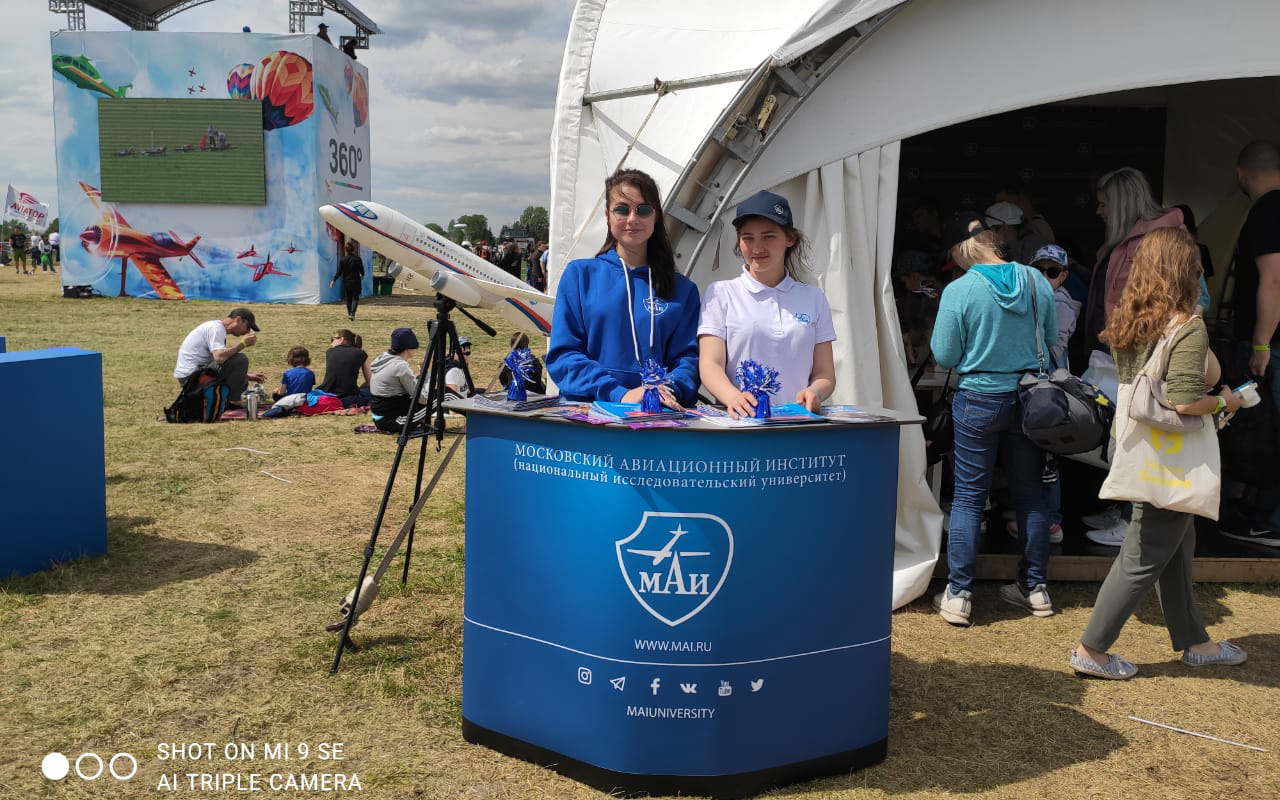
{"x": 693, "y": 605}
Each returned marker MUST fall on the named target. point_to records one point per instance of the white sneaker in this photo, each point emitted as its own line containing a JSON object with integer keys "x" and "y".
{"x": 1112, "y": 536}
{"x": 1036, "y": 599}
{"x": 954, "y": 608}
{"x": 1106, "y": 518}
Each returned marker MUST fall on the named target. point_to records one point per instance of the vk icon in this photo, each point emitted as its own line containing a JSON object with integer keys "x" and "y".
{"x": 674, "y": 564}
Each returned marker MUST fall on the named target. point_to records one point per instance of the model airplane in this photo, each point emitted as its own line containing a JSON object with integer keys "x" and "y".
{"x": 80, "y": 71}
{"x": 265, "y": 268}
{"x": 428, "y": 261}
{"x": 113, "y": 238}
{"x": 250, "y": 253}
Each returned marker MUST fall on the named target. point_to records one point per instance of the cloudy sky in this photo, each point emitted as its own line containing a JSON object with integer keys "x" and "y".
{"x": 461, "y": 95}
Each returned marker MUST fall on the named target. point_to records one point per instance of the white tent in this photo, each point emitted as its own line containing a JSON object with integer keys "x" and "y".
{"x": 812, "y": 98}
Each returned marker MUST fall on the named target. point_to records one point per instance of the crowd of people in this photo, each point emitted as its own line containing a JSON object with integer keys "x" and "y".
{"x": 384, "y": 384}
{"x": 987, "y": 295}
{"x": 530, "y": 265}
{"x": 32, "y": 253}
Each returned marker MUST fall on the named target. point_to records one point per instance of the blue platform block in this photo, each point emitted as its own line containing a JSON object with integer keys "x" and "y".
{"x": 53, "y": 488}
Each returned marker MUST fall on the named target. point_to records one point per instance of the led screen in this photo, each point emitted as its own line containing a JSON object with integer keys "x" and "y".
{"x": 168, "y": 150}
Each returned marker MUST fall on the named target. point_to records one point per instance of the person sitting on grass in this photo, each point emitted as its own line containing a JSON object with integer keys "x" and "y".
{"x": 207, "y": 346}
{"x": 298, "y": 378}
{"x": 393, "y": 383}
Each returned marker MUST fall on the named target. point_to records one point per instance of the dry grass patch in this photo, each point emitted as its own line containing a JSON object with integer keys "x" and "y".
{"x": 204, "y": 621}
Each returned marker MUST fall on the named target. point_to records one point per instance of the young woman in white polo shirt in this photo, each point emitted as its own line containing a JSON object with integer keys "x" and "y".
{"x": 767, "y": 315}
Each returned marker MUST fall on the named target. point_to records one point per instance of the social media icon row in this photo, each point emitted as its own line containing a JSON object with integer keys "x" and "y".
{"x": 724, "y": 689}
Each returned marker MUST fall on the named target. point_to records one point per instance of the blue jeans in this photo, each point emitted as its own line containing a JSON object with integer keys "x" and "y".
{"x": 987, "y": 424}
{"x": 1267, "y": 513}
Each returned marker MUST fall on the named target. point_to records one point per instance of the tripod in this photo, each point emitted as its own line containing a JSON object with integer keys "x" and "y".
{"x": 443, "y": 341}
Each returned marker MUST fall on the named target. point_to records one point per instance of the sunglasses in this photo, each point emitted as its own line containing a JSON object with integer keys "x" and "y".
{"x": 623, "y": 210}
{"x": 1052, "y": 273}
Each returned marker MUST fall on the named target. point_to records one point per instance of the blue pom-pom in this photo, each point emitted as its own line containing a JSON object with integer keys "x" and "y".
{"x": 761, "y": 381}
{"x": 520, "y": 362}
{"x": 652, "y": 376}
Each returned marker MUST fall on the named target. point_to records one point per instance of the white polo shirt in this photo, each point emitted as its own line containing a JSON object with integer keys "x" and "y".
{"x": 775, "y": 326}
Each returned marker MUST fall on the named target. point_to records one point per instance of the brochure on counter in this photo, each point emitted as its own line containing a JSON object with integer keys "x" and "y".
{"x": 786, "y": 414}
{"x": 499, "y": 401}
{"x": 853, "y": 414}
{"x": 630, "y": 413}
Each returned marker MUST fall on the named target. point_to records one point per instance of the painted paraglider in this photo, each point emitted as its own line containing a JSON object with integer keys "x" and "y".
{"x": 282, "y": 80}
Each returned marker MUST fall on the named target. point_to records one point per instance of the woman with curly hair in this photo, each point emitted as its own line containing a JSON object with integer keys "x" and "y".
{"x": 1159, "y": 298}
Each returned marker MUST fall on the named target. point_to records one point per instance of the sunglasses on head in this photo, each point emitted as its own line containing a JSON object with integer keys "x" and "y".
{"x": 624, "y": 210}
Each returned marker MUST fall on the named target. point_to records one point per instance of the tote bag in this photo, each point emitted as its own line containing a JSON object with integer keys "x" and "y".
{"x": 1177, "y": 471}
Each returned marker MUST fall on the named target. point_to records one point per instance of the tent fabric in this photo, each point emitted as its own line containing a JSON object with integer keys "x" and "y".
{"x": 848, "y": 212}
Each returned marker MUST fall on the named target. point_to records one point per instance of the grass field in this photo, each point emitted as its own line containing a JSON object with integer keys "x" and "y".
{"x": 205, "y": 621}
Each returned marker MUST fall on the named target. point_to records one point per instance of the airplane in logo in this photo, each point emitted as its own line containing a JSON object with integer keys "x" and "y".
{"x": 250, "y": 253}
{"x": 659, "y": 556}
{"x": 619, "y": 683}
{"x": 266, "y": 268}
{"x": 425, "y": 259}
{"x": 291, "y": 249}
{"x": 112, "y": 237}
{"x": 81, "y": 72}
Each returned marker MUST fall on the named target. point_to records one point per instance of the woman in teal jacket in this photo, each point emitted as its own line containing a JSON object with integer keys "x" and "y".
{"x": 986, "y": 330}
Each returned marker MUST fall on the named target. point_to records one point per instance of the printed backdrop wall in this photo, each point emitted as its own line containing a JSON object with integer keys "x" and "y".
{"x": 315, "y": 129}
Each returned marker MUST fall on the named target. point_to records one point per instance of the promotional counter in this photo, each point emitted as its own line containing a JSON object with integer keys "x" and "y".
{"x": 683, "y": 610}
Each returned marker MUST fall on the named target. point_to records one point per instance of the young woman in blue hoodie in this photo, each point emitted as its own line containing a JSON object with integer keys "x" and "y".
{"x": 627, "y": 305}
{"x": 986, "y": 331}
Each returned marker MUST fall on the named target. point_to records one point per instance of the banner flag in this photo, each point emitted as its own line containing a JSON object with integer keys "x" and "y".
{"x": 20, "y": 205}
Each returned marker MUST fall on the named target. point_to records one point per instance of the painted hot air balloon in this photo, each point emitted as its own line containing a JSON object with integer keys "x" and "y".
{"x": 347, "y": 72}
{"x": 283, "y": 82}
{"x": 360, "y": 100}
{"x": 239, "y": 82}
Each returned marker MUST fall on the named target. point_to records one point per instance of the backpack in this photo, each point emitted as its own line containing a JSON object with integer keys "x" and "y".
{"x": 203, "y": 397}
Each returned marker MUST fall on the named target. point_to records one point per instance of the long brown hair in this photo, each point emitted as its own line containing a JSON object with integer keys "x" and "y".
{"x": 662, "y": 264}
{"x": 1163, "y": 285}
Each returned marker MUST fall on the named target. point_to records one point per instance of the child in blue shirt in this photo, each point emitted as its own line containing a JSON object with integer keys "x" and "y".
{"x": 298, "y": 378}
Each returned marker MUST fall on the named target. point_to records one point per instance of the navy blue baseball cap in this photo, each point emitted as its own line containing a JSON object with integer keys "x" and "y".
{"x": 773, "y": 207}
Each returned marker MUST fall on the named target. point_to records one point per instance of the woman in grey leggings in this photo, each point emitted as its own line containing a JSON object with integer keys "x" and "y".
{"x": 1163, "y": 288}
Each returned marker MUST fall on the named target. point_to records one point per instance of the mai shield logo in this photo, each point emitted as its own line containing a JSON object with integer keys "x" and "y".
{"x": 674, "y": 564}
{"x": 655, "y": 305}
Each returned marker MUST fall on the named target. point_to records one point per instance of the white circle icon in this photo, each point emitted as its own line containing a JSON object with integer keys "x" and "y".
{"x": 55, "y": 766}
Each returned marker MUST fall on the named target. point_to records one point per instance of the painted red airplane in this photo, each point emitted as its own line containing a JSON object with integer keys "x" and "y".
{"x": 112, "y": 237}
{"x": 250, "y": 253}
{"x": 265, "y": 268}
{"x": 291, "y": 249}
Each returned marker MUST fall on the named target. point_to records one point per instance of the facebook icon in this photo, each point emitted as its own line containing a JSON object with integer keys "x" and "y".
{"x": 654, "y": 684}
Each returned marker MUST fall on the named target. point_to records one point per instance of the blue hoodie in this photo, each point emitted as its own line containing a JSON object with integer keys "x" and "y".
{"x": 985, "y": 330}
{"x": 592, "y": 354}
